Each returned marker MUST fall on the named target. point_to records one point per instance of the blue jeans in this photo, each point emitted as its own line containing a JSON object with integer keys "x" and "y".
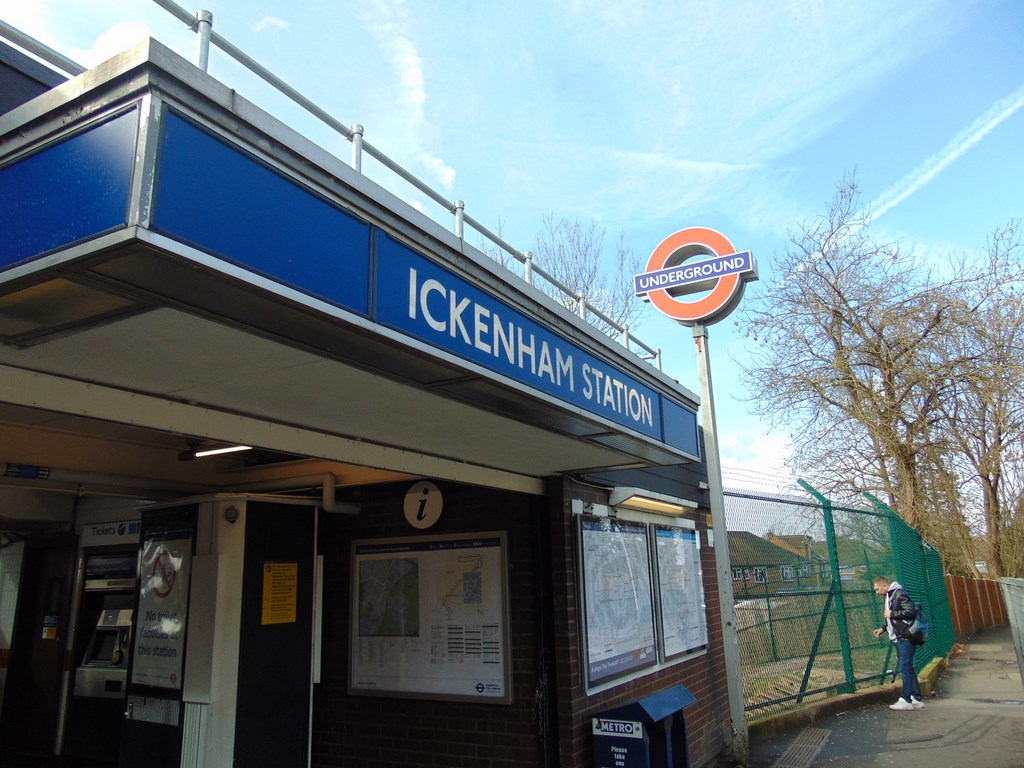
{"x": 905, "y": 651}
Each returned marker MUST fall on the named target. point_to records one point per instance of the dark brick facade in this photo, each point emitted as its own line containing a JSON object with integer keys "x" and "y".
{"x": 548, "y": 724}
{"x": 708, "y": 725}
{"x": 366, "y": 731}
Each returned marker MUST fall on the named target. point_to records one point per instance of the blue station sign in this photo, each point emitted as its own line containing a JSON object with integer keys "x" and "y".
{"x": 249, "y": 214}
{"x": 421, "y": 298}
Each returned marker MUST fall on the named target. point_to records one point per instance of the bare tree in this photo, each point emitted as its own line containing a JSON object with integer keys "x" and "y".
{"x": 855, "y": 358}
{"x": 574, "y": 253}
{"x": 984, "y": 417}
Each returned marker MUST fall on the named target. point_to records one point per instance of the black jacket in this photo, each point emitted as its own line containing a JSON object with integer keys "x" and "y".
{"x": 902, "y": 611}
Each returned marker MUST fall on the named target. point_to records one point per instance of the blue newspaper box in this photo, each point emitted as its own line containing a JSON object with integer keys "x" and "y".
{"x": 649, "y": 733}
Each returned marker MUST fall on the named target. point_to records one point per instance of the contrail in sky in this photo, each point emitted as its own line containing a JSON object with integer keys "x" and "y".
{"x": 934, "y": 165}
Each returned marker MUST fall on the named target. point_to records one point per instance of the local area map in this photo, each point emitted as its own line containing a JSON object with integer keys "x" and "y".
{"x": 620, "y": 613}
{"x": 680, "y": 590}
{"x": 389, "y": 597}
{"x": 430, "y": 617}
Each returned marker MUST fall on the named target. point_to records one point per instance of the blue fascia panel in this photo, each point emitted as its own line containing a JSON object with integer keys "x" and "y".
{"x": 680, "y": 425}
{"x": 419, "y": 297}
{"x": 69, "y": 191}
{"x": 217, "y": 198}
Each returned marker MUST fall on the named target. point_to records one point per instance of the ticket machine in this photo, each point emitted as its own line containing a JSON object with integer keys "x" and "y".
{"x": 102, "y": 647}
{"x": 103, "y": 673}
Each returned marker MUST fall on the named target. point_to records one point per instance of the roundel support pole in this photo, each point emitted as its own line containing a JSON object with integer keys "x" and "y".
{"x": 727, "y": 607}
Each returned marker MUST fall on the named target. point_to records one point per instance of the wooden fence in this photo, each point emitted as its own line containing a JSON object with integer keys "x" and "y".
{"x": 975, "y": 605}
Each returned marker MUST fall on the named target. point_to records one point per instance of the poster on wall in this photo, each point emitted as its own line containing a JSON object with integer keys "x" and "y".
{"x": 163, "y": 612}
{"x": 429, "y": 617}
{"x": 680, "y": 590}
{"x": 619, "y": 610}
{"x": 280, "y": 593}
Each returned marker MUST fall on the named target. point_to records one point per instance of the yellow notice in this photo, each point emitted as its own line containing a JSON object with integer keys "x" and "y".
{"x": 280, "y": 592}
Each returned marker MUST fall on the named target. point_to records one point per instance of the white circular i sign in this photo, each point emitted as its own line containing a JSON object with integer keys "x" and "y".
{"x": 423, "y": 504}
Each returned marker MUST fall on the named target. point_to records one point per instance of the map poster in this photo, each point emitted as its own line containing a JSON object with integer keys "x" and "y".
{"x": 616, "y": 576}
{"x": 430, "y": 617}
{"x": 680, "y": 590}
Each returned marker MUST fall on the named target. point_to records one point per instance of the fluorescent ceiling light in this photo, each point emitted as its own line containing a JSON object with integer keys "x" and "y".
{"x": 201, "y": 452}
{"x": 648, "y": 501}
{"x": 212, "y": 449}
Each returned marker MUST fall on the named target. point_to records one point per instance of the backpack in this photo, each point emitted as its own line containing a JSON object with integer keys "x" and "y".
{"x": 919, "y": 628}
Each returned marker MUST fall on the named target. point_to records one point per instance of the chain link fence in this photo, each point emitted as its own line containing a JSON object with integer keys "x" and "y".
{"x": 805, "y": 607}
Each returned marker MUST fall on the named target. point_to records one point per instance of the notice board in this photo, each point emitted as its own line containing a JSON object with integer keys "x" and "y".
{"x": 429, "y": 618}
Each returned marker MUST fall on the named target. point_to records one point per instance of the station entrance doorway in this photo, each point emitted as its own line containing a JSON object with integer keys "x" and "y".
{"x": 35, "y": 664}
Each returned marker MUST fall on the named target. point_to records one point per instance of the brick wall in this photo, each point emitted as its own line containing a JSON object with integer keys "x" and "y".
{"x": 548, "y": 724}
{"x": 707, "y": 721}
{"x": 368, "y": 731}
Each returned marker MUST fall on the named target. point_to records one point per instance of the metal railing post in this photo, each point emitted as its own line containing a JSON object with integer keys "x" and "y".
{"x": 357, "y": 147}
{"x": 203, "y": 27}
{"x": 460, "y": 212}
{"x": 528, "y": 268}
{"x": 582, "y": 306}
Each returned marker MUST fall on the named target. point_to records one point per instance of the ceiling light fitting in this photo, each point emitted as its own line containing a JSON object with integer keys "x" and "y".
{"x": 642, "y": 500}
{"x": 211, "y": 450}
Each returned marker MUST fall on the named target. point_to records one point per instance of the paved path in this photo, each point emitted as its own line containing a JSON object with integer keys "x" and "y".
{"x": 974, "y": 718}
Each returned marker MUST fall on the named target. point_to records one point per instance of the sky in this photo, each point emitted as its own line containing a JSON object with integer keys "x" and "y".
{"x": 646, "y": 117}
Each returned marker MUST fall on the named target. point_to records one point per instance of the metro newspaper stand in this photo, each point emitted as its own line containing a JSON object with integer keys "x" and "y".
{"x": 649, "y": 733}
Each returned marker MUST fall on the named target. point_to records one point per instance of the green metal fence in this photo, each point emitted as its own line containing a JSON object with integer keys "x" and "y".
{"x": 805, "y": 607}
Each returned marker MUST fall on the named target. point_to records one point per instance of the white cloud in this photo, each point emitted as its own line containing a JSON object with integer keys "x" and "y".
{"x": 388, "y": 22}
{"x": 34, "y": 19}
{"x": 444, "y": 174}
{"x": 112, "y": 42}
{"x": 270, "y": 24}
{"x": 756, "y": 462}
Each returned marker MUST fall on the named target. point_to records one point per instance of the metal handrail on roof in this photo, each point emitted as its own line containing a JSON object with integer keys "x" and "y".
{"x": 201, "y": 23}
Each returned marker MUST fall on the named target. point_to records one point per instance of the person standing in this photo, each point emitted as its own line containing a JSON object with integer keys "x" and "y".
{"x": 899, "y": 615}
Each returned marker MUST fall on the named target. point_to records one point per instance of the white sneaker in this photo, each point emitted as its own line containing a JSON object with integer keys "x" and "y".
{"x": 901, "y": 705}
{"x": 917, "y": 703}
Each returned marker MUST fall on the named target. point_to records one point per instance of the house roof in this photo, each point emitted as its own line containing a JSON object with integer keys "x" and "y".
{"x": 851, "y": 552}
{"x": 747, "y": 549}
{"x": 800, "y": 544}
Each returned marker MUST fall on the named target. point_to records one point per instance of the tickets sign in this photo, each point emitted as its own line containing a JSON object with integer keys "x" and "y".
{"x": 695, "y": 261}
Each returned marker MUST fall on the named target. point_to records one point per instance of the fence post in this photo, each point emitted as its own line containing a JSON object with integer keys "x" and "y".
{"x": 837, "y": 586}
{"x": 814, "y": 646}
{"x": 954, "y": 608}
{"x": 771, "y": 622}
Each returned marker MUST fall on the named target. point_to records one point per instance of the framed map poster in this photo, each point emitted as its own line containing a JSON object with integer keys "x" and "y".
{"x": 615, "y": 571}
{"x": 684, "y": 626}
{"x": 429, "y": 618}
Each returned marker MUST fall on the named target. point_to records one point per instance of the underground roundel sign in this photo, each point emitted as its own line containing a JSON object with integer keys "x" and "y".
{"x": 695, "y": 261}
